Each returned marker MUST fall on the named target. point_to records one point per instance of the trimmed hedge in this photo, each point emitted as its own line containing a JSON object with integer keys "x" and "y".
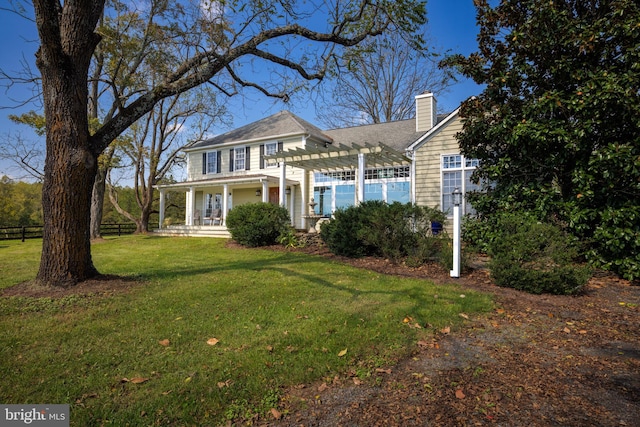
{"x": 257, "y": 224}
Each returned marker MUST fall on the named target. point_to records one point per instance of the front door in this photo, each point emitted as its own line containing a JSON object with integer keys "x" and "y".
{"x": 274, "y": 195}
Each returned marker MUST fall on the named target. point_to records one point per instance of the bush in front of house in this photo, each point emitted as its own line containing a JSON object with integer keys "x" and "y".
{"x": 344, "y": 233}
{"x": 257, "y": 224}
{"x": 535, "y": 257}
{"x": 394, "y": 231}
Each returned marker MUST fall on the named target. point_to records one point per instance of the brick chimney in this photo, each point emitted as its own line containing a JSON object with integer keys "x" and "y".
{"x": 426, "y": 114}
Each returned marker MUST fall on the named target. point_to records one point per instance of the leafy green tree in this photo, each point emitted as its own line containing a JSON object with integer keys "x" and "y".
{"x": 557, "y": 127}
{"x": 221, "y": 45}
{"x": 21, "y": 203}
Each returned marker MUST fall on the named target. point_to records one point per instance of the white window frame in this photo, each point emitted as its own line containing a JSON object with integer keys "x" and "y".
{"x": 239, "y": 158}
{"x": 459, "y": 165}
{"x": 270, "y": 148}
{"x": 212, "y": 162}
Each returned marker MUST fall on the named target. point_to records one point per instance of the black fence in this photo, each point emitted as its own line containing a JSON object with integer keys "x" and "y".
{"x": 35, "y": 231}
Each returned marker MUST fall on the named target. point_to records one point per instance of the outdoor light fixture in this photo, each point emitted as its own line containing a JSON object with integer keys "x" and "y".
{"x": 287, "y": 191}
{"x": 457, "y": 196}
{"x": 258, "y": 192}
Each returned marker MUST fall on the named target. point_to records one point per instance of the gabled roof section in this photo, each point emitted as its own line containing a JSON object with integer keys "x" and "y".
{"x": 442, "y": 123}
{"x": 278, "y": 125}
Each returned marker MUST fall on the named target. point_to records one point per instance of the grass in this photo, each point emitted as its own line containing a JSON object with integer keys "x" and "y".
{"x": 280, "y": 318}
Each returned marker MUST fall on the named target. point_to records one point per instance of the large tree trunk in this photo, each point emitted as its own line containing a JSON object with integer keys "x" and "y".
{"x": 67, "y": 42}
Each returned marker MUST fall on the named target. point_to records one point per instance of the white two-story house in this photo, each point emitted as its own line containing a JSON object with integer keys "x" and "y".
{"x": 312, "y": 172}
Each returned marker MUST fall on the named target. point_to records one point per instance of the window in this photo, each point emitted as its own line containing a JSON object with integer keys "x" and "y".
{"x": 373, "y": 192}
{"x": 269, "y": 149}
{"x": 239, "y": 159}
{"x": 398, "y": 192}
{"x": 212, "y": 202}
{"x": 210, "y": 162}
{"x": 454, "y": 174}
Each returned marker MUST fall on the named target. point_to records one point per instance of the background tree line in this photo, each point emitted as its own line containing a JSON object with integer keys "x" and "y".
{"x": 22, "y": 205}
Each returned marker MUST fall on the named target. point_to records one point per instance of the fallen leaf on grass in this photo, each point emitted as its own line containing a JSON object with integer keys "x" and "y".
{"x": 460, "y": 394}
{"x": 223, "y": 384}
{"x": 446, "y": 330}
{"x": 342, "y": 353}
{"x": 323, "y": 387}
{"x": 164, "y": 343}
{"x": 383, "y": 371}
{"x": 276, "y": 414}
{"x": 136, "y": 380}
{"x": 213, "y": 341}
{"x": 566, "y": 330}
{"x": 464, "y": 316}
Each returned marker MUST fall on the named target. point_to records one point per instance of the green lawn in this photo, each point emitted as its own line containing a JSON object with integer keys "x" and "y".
{"x": 279, "y": 318}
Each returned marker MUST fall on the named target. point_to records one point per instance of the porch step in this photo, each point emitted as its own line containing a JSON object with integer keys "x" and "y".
{"x": 218, "y": 231}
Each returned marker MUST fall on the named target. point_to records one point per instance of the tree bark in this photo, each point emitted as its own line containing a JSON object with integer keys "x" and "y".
{"x": 67, "y": 43}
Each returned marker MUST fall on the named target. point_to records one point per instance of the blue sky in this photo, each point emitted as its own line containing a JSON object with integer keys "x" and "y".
{"x": 451, "y": 22}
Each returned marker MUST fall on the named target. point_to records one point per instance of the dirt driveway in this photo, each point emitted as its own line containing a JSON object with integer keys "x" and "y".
{"x": 535, "y": 361}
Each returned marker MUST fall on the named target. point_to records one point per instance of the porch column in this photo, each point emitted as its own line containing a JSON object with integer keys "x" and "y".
{"x": 192, "y": 205}
{"x": 305, "y": 199}
{"x": 283, "y": 177}
{"x": 360, "y": 178}
{"x": 225, "y": 203}
{"x": 188, "y": 214}
{"x": 162, "y": 208}
{"x": 292, "y": 206}
{"x": 265, "y": 191}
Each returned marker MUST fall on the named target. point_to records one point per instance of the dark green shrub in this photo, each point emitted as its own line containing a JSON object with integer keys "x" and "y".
{"x": 344, "y": 233}
{"x": 427, "y": 248}
{"x": 535, "y": 257}
{"x": 257, "y": 224}
{"x": 392, "y": 231}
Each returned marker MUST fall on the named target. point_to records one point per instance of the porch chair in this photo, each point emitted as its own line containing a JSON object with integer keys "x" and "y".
{"x": 196, "y": 217}
{"x": 216, "y": 217}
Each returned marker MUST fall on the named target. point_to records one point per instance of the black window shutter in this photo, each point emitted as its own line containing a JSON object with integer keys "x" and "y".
{"x": 280, "y": 146}
{"x": 231, "y": 160}
{"x": 261, "y": 156}
{"x": 247, "y": 159}
{"x": 204, "y": 163}
{"x": 219, "y": 162}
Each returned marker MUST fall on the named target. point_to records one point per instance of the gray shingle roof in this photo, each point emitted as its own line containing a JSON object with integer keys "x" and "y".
{"x": 397, "y": 135}
{"x": 282, "y": 123}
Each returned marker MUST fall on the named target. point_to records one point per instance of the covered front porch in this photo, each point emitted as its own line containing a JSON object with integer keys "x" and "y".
{"x": 209, "y": 201}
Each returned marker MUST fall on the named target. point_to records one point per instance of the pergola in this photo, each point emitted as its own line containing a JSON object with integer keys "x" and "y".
{"x": 339, "y": 157}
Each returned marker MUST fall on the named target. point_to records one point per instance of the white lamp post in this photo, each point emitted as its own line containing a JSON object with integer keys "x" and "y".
{"x": 457, "y": 201}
